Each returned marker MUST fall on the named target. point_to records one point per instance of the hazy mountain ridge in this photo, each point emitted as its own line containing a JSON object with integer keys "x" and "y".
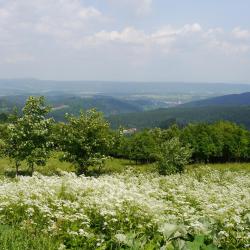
{"x": 69, "y": 103}
{"x": 226, "y": 100}
{"x": 73, "y": 104}
{"x": 235, "y": 108}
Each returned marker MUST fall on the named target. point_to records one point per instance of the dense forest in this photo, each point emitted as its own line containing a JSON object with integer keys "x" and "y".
{"x": 182, "y": 115}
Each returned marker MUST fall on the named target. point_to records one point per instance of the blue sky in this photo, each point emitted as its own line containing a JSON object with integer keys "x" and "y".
{"x": 141, "y": 40}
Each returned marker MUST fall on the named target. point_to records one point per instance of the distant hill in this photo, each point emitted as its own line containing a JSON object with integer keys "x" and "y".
{"x": 62, "y": 104}
{"x": 107, "y": 105}
{"x": 226, "y": 100}
{"x": 233, "y": 107}
{"x": 182, "y": 115}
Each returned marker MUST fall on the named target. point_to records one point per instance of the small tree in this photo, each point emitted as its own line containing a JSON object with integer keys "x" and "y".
{"x": 173, "y": 157}
{"x": 28, "y": 136}
{"x": 85, "y": 140}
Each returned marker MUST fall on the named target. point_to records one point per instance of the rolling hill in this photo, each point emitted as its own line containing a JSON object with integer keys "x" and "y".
{"x": 63, "y": 103}
{"x": 226, "y": 100}
{"x": 182, "y": 115}
{"x": 234, "y": 107}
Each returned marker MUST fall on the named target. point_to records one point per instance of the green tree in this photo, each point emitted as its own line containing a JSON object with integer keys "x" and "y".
{"x": 205, "y": 141}
{"x": 28, "y": 136}
{"x": 219, "y": 142}
{"x": 85, "y": 140}
{"x": 235, "y": 139}
{"x": 142, "y": 147}
{"x": 173, "y": 157}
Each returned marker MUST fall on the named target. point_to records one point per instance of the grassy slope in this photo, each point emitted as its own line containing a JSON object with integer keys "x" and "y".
{"x": 13, "y": 238}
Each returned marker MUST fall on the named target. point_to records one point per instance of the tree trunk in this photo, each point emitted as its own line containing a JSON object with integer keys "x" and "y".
{"x": 32, "y": 168}
{"x": 17, "y": 168}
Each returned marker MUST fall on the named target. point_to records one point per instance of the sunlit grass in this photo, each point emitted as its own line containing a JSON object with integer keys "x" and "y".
{"x": 54, "y": 166}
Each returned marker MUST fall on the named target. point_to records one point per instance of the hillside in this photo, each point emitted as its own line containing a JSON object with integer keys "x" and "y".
{"x": 62, "y": 104}
{"x": 182, "y": 115}
{"x": 226, "y": 100}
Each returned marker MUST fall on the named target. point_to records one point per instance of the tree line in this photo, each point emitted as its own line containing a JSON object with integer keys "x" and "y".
{"x": 87, "y": 140}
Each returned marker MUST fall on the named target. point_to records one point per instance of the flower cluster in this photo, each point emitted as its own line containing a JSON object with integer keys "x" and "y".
{"x": 126, "y": 210}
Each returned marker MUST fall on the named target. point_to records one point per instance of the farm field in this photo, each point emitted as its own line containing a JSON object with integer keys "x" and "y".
{"x": 127, "y": 207}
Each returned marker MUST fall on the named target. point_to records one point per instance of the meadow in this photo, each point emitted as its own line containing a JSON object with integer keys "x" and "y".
{"x": 125, "y": 206}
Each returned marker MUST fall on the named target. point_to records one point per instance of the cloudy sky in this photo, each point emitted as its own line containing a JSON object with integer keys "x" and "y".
{"x": 142, "y": 40}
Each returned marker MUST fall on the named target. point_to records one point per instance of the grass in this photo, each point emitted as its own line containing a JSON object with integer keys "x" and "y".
{"x": 54, "y": 166}
{"x": 13, "y": 238}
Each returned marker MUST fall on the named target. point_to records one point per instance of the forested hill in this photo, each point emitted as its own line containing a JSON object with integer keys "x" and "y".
{"x": 62, "y": 104}
{"x": 182, "y": 115}
{"x": 226, "y": 100}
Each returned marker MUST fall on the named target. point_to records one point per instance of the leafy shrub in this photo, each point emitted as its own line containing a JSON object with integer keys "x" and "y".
{"x": 173, "y": 157}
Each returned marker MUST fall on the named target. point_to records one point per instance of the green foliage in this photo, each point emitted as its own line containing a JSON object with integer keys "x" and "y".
{"x": 199, "y": 244}
{"x": 28, "y": 137}
{"x": 13, "y": 238}
{"x": 204, "y": 140}
{"x": 219, "y": 142}
{"x": 173, "y": 156}
{"x": 142, "y": 147}
{"x": 85, "y": 140}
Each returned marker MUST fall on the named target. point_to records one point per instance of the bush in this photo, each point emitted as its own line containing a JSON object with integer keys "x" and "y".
{"x": 173, "y": 157}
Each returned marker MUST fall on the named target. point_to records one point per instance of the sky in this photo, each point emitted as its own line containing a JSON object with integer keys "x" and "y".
{"x": 126, "y": 40}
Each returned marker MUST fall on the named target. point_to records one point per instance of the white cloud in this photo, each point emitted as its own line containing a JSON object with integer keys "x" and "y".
{"x": 3, "y": 13}
{"x": 164, "y": 37}
{"x": 128, "y": 35}
{"x": 232, "y": 42}
{"x": 240, "y": 33}
{"x": 143, "y": 6}
{"x": 139, "y": 7}
{"x": 58, "y": 18}
{"x": 131, "y": 35}
{"x": 189, "y": 37}
{"x": 170, "y": 34}
{"x": 90, "y": 12}
{"x": 19, "y": 58}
